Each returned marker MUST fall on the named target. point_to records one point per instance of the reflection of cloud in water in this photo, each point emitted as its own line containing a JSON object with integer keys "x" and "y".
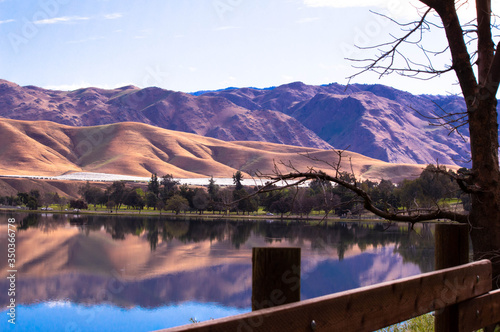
{"x": 53, "y": 304}
{"x": 322, "y": 276}
{"x": 387, "y": 266}
{"x": 75, "y": 317}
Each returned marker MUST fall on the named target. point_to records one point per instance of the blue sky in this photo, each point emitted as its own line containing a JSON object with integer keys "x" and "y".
{"x": 191, "y": 45}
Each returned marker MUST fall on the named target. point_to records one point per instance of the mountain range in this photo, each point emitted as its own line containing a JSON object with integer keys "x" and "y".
{"x": 374, "y": 120}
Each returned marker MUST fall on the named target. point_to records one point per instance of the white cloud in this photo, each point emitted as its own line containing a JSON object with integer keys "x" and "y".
{"x": 307, "y": 20}
{"x": 7, "y": 21}
{"x": 85, "y": 40}
{"x": 345, "y": 4}
{"x": 53, "y": 304}
{"x": 228, "y": 82}
{"x": 228, "y": 27}
{"x": 113, "y": 16}
{"x": 63, "y": 19}
{"x": 393, "y": 8}
{"x": 67, "y": 87}
{"x": 400, "y": 8}
{"x": 84, "y": 84}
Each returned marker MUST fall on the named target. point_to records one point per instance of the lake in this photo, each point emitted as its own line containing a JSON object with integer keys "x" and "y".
{"x": 102, "y": 273}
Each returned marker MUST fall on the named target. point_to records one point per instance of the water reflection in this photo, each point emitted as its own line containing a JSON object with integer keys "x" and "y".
{"x": 152, "y": 262}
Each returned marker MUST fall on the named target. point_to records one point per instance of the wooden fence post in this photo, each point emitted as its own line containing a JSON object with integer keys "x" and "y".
{"x": 275, "y": 277}
{"x": 451, "y": 249}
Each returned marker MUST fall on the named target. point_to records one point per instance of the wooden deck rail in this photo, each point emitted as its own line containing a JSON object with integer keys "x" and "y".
{"x": 375, "y": 307}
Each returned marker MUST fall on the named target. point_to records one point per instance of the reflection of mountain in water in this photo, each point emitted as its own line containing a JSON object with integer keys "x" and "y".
{"x": 149, "y": 262}
{"x": 221, "y": 284}
{"x": 361, "y": 270}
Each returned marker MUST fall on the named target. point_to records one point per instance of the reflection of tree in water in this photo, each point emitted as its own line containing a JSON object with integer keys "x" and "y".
{"x": 339, "y": 236}
{"x": 45, "y": 224}
{"x": 152, "y": 233}
{"x": 418, "y": 247}
{"x": 30, "y": 221}
{"x": 414, "y": 246}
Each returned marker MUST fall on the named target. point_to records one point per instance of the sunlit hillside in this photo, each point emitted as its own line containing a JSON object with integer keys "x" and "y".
{"x": 48, "y": 149}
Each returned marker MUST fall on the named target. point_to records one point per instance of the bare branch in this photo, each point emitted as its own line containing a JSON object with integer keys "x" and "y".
{"x": 376, "y": 64}
{"x": 411, "y": 216}
{"x": 452, "y": 121}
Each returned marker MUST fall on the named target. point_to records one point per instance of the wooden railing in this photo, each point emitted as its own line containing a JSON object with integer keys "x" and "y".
{"x": 375, "y": 307}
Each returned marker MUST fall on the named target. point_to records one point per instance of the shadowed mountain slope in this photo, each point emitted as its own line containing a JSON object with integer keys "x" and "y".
{"x": 375, "y": 120}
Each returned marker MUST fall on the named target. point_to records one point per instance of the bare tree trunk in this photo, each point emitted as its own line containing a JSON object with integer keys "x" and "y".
{"x": 485, "y": 210}
{"x": 480, "y": 98}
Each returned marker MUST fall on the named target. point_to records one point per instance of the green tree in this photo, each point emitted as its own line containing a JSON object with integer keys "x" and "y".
{"x": 187, "y": 193}
{"x": 23, "y": 198}
{"x": 177, "y": 203}
{"x": 244, "y": 202}
{"x": 32, "y": 203}
{"x": 134, "y": 198}
{"x": 78, "y": 204}
{"x": 90, "y": 194}
{"x": 32, "y": 200}
{"x": 51, "y": 198}
{"x": 11, "y": 200}
{"x": 35, "y": 193}
{"x": 281, "y": 206}
{"x": 237, "y": 178}
{"x": 213, "y": 188}
{"x": 62, "y": 202}
{"x": 428, "y": 190}
{"x": 168, "y": 186}
{"x": 383, "y": 194}
{"x": 303, "y": 202}
{"x": 201, "y": 199}
{"x": 110, "y": 205}
{"x": 151, "y": 199}
{"x": 117, "y": 193}
{"x": 154, "y": 185}
{"x": 160, "y": 205}
{"x": 214, "y": 194}
{"x": 226, "y": 197}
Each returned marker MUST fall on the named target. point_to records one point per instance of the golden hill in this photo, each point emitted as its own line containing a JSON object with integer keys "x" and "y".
{"x": 45, "y": 148}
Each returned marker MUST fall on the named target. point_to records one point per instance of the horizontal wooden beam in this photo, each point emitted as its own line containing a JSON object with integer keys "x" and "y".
{"x": 363, "y": 309}
{"x": 479, "y": 312}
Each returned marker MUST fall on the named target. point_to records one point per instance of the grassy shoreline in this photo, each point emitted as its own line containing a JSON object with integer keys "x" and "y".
{"x": 317, "y": 217}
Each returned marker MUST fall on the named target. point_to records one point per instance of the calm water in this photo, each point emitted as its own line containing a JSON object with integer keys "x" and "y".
{"x": 140, "y": 274}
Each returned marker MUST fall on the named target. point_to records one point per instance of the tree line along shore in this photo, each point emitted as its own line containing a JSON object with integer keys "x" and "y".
{"x": 316, "y": 200}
